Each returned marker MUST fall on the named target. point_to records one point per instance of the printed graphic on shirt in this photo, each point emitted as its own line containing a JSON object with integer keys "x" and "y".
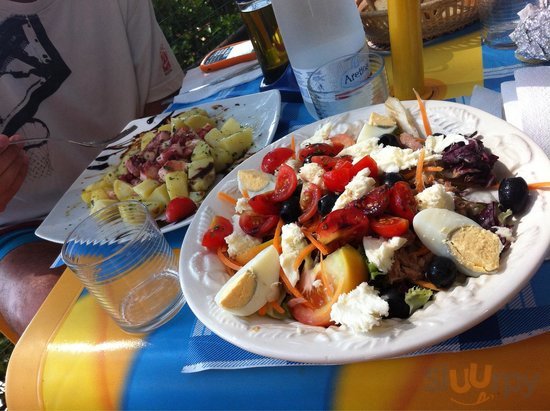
{"x": 31, "y": 69}
{"x": 165, "y": 59}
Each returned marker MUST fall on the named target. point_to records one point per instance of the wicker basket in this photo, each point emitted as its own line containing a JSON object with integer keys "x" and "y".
{"x": 438, "y": 17}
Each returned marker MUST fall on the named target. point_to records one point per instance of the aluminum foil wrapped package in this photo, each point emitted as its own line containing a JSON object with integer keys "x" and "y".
{"x": 532, "y": 34}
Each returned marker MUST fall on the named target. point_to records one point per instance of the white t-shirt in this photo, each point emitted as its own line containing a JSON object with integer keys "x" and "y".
{"x": 79, "y": 69}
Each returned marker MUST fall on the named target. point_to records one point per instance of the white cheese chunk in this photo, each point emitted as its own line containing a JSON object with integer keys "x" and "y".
{"x": 242, "y": 205}
{"x": 238, "y": 241}
{"x": 292, "y": 242}
{"x": 359, "y": 185}
{"x": 360, "y": 309}
{"x": 312, "y": 173}
{"x": 321, "y": 135}
{"x": 435, "y": 196}
{"x": 436, "y": 144}
{"x": 380, "y": 252}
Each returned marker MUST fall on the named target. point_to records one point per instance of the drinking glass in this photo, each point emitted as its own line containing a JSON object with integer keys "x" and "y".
{"x": 124, "y": 261}
{"x": 350, "y": 82}
{"x": 263, "y": 30}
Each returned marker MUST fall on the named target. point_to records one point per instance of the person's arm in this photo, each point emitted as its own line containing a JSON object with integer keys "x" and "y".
{"x": 13, "y": 169}
{"x": 158, "y": 106}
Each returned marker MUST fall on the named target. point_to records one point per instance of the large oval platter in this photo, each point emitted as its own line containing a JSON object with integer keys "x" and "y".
{"x": 450, "y": 313}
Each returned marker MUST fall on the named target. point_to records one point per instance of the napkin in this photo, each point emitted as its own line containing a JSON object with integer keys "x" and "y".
{"x": 215, "y": 81}
{"x": 487, "y": 100}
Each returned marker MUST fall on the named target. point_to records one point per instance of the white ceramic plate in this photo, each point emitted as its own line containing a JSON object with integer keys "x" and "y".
{"x": 450, "y": 313}
{"x": 261, "y": 111}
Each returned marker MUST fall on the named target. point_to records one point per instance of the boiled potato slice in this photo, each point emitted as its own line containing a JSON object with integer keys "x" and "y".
{"x": 201, "y": 150}
{"x": 230, "y": 126}
{"x": 201, "y": 174}
{"x": 198, "y": 121}
{"x": 237, "y": 144}
{"x": 99, "y": 194}
{"x": 197, "y": 196}
{"x": 176, "y": 184}
{"x": 146, "y": 139}
{"x": 123, "y": 190}
{"x": 155, "y": 208}
{"x": 222, "y": 159}
{"x": 165, "y": 127}
{"x": 97, "y": 205}
{"x": 97, "y": 185}
{"x": 160, "y": 194}
{"x": 213, "y": 137}
{"x": 145, "y": 188}
{"x": 86, "y": 196}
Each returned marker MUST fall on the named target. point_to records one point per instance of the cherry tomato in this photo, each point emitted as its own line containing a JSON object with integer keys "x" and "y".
{"x": 264, "y": 204}
{"x": 366, "y": 162}
{"x": 317, "y": 315}
{"x": 345, "y": 140}
{"x": 214, "y": 237}
{"x": 309, "y": 199}
{"x": 337, "y": 179}
{"x": 319, "y": 149}
{"x": 329, "y": 163}
{"x": 389, "y": 226}
{"x": 275, "y": 158}
{"x": 179, "y": 208}
{"x": 285, "y": 184}
{"x": 402, "y": 201}
{"x": 343, "y": 224}
{"x": 374, "y": 203}
{"x": 258, "y": 225}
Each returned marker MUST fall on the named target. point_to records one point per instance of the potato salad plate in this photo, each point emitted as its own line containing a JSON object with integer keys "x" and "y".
{"x": 183, "y": 153}
{"x": 269, "y": 301}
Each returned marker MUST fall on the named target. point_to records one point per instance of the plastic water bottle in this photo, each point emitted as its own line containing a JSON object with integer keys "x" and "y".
{"x": 316, "y": 32}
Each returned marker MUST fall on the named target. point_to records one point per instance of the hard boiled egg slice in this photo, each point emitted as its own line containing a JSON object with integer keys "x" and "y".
{"x": 445, "y": 233}
{"x": 255, "y": 284}
{"x": 255, "y": 182}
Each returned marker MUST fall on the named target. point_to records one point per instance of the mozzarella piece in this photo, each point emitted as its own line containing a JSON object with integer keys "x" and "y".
{"x": 359, "y": 185}
{"x": 292, "y": 242}
{"x": 321, "y": 135}
{"x": 312, "y": 173}
{"x": 380, "y": 252}
{"x": 238, "y": 241}
{"x": 435, "y": 196}
{"x": 360, "y": 310}
{"x": 254, "y": 285}
{"x": 445, "y": 233}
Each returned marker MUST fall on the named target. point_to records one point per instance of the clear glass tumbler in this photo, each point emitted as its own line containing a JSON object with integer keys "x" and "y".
{"x": 347, "y": 83}
{"x": 499, "y": 18}
{"x": 124, "y": 261}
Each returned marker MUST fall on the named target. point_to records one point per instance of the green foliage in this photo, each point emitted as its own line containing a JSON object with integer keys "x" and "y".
{"x": 6, "y": 348}
{"x": 194, "y": 27}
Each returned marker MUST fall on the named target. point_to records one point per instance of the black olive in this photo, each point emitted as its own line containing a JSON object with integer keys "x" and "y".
{"x": 396, "y": 300}
{"x": 388, "y": 140}
{"x": 326, "y": 203}
{"x": 392, "y": 178}
{"x": 290, "y": 210}
{"x": 513, "y": 194}
{"x": 441, "y": 272}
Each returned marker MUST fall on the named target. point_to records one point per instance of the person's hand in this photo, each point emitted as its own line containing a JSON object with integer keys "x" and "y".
{"x": 14, "y": 164}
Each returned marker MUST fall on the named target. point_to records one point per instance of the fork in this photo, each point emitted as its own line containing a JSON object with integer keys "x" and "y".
{"x": 93, "y": 143}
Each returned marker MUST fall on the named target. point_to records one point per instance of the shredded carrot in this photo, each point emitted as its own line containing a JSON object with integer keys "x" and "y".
{"x": 324, "y": 278}
{"x": 293, "y": 146}
{"x": 291, "y": 289}
{"x": 226, "y": 197}
{"x": 538, "y": 186}
{"x": 427, "y": 127}
{"x": 277, "y": 307}
{"x": 249, "y": 254}
{"x": 304, "y": 252}
{"x": 263, "y": 310}
{"x": 245, "y": 193}
{"x": 277, "y": 236}
{"x": 426, "y": 284}
{"x": 320, "y": 246}
{"x": 419, "y": 178}
{"x": 433, "y": 169}
{"x": 226, "y": 260}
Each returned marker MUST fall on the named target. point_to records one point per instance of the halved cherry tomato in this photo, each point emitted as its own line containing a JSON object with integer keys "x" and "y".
{"x": 214, "y": 237}
{"x": 344, "y": 225}
{"x": 329, "y": 163}
{"x": 264, "y": 204}
{"x": 309, "y": 198}
{"x": 343, "y": 139}
{"x": 374, "y": 203}
{"x": 337, "y": 179}
{"x": 275, "y": 158}
{"x": 285, "y": 184}
{"x": 402, "y": 201}
{"x": 389, "y": 226}
{"x": 319, "y": 149}
{"x": 179, "y": 208}
{"x": 257, "y": 225}
{"x": 366, "y": 162}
